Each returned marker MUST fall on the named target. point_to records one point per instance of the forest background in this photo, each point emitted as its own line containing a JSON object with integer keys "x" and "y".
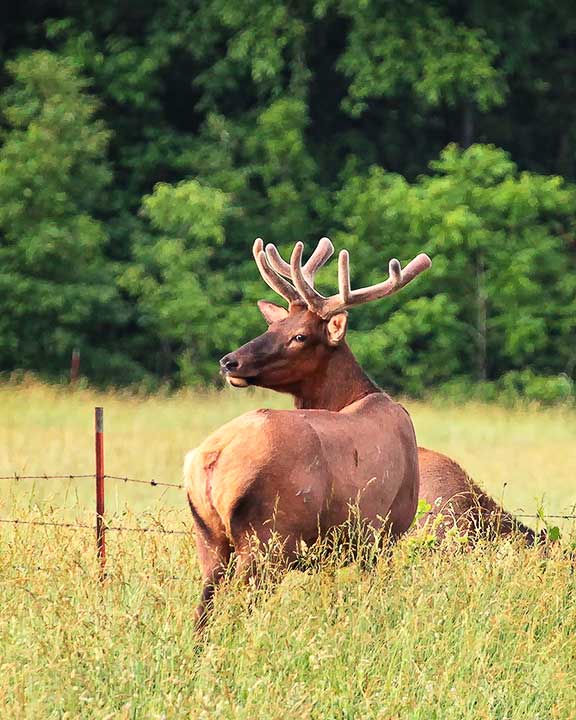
{"x": 143, "y": 147}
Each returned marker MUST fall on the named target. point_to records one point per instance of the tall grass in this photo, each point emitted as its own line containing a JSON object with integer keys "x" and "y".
{"x": 520, "y": 455}
{"x": 486, "y": 632}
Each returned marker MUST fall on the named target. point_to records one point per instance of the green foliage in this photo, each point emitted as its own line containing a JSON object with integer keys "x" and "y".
{"x": 171, "y": 277}
{"x": 286, "y": 168}
{"x": 56, "y": 286}
{"x": 515, "y": 387}
{"x": 423, "y": 51}
{"x": 526, "y": 384}
{"x": 553, "y": 532}
{"x": 156, "y": 144}
{"x": 500, "y": 242}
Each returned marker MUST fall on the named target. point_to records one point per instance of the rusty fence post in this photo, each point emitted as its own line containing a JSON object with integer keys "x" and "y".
{"x": 75, "y": 367}
{"x": 100, "y": 527}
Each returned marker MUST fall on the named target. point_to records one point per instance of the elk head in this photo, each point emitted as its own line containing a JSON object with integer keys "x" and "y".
{"x": 302, "y": 339}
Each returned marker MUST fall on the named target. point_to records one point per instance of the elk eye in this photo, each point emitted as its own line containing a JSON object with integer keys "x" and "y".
{"x": 299, "y": 338}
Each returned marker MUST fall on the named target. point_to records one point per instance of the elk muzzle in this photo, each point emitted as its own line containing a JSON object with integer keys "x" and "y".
{"x": 229, "y": 366}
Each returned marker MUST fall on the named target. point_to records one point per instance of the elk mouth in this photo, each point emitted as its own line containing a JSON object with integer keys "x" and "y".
{"x": 238, "y": 381}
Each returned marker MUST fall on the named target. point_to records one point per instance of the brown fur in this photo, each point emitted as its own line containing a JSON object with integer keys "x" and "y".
{"x": 461, "y": 502}
{"x": 295, "y": 474}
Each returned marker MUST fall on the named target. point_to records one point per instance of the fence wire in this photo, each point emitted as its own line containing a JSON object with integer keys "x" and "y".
{"x": 544, "y": 516}
{"x": 157, "y": 483}
{"x": 17, "y": 476}
{"x": 163, "y": 531}
{"x": 51, "y": 523}
{"x": 85, "y": 526}
{"x": 22, "y": 571}
{"x": 153, "y": 482}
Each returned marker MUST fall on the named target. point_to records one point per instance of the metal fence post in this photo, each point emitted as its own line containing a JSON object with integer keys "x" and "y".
{"x": 100, "y": 527}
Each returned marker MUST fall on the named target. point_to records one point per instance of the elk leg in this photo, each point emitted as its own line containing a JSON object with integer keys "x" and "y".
{"x": 214, "y": 559}
{"x": 257, "y": 560}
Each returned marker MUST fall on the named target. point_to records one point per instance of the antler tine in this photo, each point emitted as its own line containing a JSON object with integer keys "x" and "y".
{"x": 398, "y": 279}
{"x": 344, "y": 276}
{"x": 272, "y": 267}
{"x": 270, "y": 277}
{"x": 395, "y": 271}
{"x": 323, "y": 252}
{"x": 319, "y": 258}
{"x": 277, "y": 262}
{"x": 313, "y": 299}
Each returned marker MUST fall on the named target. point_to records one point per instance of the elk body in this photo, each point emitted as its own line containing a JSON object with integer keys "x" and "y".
{"x": 452, "y": 493}
{"x": 294, "y": 473}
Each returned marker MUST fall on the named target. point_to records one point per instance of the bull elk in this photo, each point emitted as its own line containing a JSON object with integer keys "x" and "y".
{"x": 296, "y": 472}
{"x": 293, "y": 474}
{"x": 444, "y": 485}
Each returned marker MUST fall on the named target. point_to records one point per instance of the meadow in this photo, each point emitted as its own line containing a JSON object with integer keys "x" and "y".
{"x": 452, "y": 632}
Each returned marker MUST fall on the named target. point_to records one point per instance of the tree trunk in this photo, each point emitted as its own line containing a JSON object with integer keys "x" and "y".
{"x": 565, "y": 156}
{"x": 468, "y": 125}
{"x": 481, "y": 320}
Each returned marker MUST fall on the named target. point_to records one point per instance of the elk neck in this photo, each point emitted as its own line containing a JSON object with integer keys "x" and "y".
{"x": 339, "y": 382}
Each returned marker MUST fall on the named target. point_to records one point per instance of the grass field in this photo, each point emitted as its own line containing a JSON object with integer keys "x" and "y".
{"x": 450, "y": 633}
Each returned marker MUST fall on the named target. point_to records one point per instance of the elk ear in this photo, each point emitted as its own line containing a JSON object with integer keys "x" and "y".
{"x": 272, "y": 312}
{"x": 336, "y": 328}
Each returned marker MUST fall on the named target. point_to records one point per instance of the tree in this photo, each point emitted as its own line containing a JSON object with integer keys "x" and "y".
{"x": 500, "y": 242}
{"x": 57, "y": 289}
{"x": 179, "y": 292}
{"x": 305, "y": 119}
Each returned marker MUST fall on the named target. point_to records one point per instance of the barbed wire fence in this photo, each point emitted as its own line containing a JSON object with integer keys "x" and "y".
{"x": 101, "y": 527}
{"x": 45, "y": 476}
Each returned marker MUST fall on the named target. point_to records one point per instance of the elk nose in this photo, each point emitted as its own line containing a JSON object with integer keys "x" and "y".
{"x": 228, "y": 363}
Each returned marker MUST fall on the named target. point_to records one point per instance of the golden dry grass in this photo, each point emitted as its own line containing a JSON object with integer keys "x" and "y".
{"x": 449, "y": 634}
{"x": 520, "y": 455}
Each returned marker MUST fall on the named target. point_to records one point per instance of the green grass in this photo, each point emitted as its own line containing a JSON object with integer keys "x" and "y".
{"x": 453, "y": 633}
